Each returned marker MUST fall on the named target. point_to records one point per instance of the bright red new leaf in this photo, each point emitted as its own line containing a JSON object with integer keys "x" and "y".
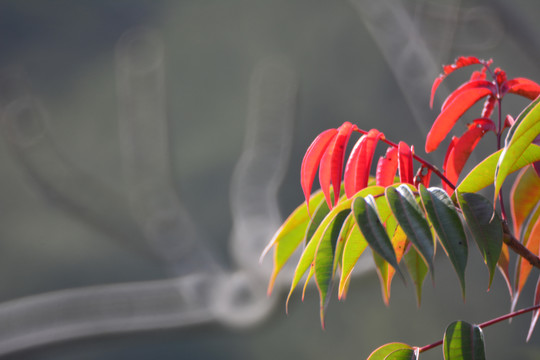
{"x": 311, "y": 160}
{"x": 461, "y": 148}
{"x": 476, "y": 84}
{"x": 448, "y": 69}
{"x": 460, "y": 62}
{"x": 405, "y": 163}
{"x": 387, "y": 168}
{"x": 451, "y": 114}
{"x": 523, "y": 87}
{"x": 489, "y": 105}
{"x": 358, "y": 167}
{"x": 421, "y": 177}
{"x": 331, "y": 166}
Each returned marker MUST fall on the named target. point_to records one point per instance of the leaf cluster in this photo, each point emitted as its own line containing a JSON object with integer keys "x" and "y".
{"x": 403, "y": 219}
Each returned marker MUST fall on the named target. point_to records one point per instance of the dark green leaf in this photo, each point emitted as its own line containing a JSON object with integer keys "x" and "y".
{"x": 324, "y": 259}
{"x": 374, "y": 232}
{"x": 445, "y": 220}
{"x": 411, "y": 219}
{"x": 485, "y": 225}
{"x": 463, "y": 341}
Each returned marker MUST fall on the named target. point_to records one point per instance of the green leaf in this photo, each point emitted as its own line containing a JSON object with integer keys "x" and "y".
{"x": 417, "y": 269}
{"x": 344, "y": 234}
{"x": 385, "y": 271}
{"x": 411, "y": 219}
{"x": 308, "y": 256}
{"x": 355, "y": 245}
{"x": 485, "y": 226}
{"x": 321, "y": 210}
{"x": 483, "y": 174}
{"x": 324, "y": 259}
{"x": 403, "y": 354}
{"x": 374, "y": 232}
{"x": 382, "y": 267}
{"x": 524, "y": 130}
{"x": 289, "y": 236}
{"x": 445, "y": 220}
{"x": 463, "y": 341}
{"x": 383, "y": 351}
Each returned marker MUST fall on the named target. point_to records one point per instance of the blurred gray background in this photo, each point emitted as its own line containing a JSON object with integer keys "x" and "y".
{"x": 150, "y": 149}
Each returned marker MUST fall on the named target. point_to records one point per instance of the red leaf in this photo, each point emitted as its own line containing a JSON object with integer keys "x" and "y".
{"x": 311, "y": 160}
{"x": 462, "y": 147}
{"x": 386, "y": 168}
{"x": 421, "y": 178}
{"x": 434, "y": 87}
{"x": 458, "y": 63}
{"x": 476, "y": 84}
{"x": 359, "y": 164}
{"x": 332, "y": 163}
{"x": 479, "y": 75}
{"x": 405, "y": 163}
{"x": 523, "y": 87}
{"x": 500, "y": 76}
{"x": 449, "y": 150}
{"x": 489, "y": 105}
{"x": 451, "y": 114}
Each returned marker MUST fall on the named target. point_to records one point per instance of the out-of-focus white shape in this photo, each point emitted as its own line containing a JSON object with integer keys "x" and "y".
{"x": 108, "y": 309}
{"x": 145, "y": 154}
{"x": 259, "y": 172}
{"x": 405, "y": 51}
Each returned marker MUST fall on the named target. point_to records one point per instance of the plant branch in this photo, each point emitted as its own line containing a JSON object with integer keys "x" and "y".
{"x": 486, "y": 324}
{"x": 510, "y": 240}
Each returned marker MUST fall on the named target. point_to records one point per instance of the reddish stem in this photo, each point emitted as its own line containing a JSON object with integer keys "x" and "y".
{"x": 486, "y": 324}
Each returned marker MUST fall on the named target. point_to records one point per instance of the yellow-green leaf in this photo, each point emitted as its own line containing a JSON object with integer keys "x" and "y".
{"x": 483, "y": 174}
{"x": 383, "y": 351}
{"x": 417, "y": 269}
{"x": 308, "y": 255}
{"x": 355, "y": 245}
{"x": 289, "y": 236}
{"x": 403, "y": 354}
{"x": 520, "y": 136}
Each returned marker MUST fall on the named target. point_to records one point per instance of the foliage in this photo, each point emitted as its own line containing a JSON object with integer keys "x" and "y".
{"x": 400, "y": 215}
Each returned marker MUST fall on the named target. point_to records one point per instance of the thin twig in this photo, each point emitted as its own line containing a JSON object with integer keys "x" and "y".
{"x": 486, "y": 324}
